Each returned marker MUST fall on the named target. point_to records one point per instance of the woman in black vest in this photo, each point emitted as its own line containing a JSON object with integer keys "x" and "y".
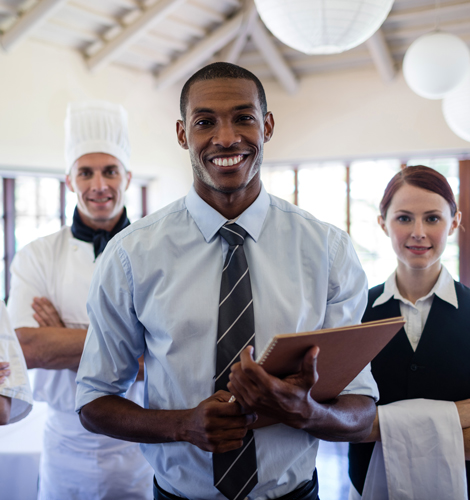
{"x": 430, "y": 357}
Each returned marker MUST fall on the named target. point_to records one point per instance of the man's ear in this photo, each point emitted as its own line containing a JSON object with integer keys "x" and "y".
{"x": 181, "y": 134}
{"x": 129, "y": 178}
{"x": 381, "y": 222}
{"x": 68, "y": 183}
{"x": 268, "y": 126}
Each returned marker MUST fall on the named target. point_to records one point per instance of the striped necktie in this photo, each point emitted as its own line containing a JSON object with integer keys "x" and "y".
{"x": 235, "y": 472}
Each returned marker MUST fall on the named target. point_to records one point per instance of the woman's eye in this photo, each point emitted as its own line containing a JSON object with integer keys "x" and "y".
{"x": 403, "y": 218}
{"x": 433, "y": 218}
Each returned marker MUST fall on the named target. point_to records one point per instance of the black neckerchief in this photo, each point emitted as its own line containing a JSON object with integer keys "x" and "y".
{"x": 99, "y": 237}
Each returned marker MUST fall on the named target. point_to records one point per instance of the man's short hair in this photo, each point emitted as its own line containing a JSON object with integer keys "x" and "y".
{"x": 221, "y": 70}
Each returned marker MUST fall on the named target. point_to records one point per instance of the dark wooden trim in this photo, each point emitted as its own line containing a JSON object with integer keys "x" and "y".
{"x": 144, "y": 201}
{"x": 8, "y": 228}
{"x": 348, "y": 199}
{"x": 296, "y": 185}
{"x": 464, "y": 233}
{"x": 62, "y": 190}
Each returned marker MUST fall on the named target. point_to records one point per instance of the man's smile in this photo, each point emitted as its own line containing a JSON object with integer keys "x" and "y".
{"x": 227, "y": 161}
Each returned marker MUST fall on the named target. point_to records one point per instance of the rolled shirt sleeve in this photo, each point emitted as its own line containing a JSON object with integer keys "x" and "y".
{"x": 115, "y": 338}
{"x": 347, "y": 300}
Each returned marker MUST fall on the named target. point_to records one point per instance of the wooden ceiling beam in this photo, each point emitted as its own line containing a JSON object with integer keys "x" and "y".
{"x": 134, "y": 31}
{"x": 200, "y": 53}
{"x": 28, "y": 21}
{"x": 428, "y": 14}
{"x": 381, "y": 56}
{"x": 274, "y": 59}
{"x": 232, "y": 51}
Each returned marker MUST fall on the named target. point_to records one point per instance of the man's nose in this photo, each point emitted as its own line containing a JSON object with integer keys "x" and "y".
{"x": 226, "y": 136}
{"x": 98, "y": 182}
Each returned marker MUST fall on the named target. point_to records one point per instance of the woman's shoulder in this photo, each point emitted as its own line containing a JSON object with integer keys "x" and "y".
{"x": 463, "y": 293}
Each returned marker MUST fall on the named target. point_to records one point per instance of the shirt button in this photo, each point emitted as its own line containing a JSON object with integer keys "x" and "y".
{"x": 415, "y": 311}
{"x": 74, "y": 248}
{"x": 413, "y": 367}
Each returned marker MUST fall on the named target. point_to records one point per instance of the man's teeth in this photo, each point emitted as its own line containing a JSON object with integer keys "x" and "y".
{"x": 100, "y": 200}
{"x": 228, "y": 162}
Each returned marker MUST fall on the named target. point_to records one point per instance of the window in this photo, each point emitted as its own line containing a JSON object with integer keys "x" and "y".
{"x": 368, "y": 182}
{"x": 37, "y": 206}
{"x": 279, "y": 181}
{"x": 323, "y": 192}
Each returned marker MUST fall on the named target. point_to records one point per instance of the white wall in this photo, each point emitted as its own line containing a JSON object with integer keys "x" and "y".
{"x": 340, "y": 115}
{"x": 353, "y": 113}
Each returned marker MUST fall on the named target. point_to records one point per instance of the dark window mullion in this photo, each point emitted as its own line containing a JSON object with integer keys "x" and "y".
{"x": 8, "y": 228}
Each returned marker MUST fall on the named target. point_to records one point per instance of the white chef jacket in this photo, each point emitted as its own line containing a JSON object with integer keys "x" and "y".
{"x": 60, "y": 267}
{"x": 16, "y": 385}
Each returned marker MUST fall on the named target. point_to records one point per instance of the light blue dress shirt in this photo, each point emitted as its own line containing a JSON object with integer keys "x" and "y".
{"x": 156, "y": 291}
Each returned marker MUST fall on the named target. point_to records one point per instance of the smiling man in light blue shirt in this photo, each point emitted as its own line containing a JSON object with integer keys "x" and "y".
{"x": 156, "y": 292}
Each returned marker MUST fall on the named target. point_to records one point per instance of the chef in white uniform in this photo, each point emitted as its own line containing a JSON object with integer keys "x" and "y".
{"x": 47, "y": 306}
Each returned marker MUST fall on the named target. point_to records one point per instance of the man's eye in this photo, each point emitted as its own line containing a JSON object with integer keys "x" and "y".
{"x": 203, "y": 122}
{"x": 246, "y": 117}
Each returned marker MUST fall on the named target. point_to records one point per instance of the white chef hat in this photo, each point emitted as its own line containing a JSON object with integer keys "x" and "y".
{"x": 96, "y": 127}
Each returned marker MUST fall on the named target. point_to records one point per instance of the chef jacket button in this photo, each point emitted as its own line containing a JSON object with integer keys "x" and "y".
{"x": 413, "y": 367}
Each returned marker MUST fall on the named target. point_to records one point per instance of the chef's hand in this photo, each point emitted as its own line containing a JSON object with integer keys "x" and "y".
{"x": 45, "y": 313}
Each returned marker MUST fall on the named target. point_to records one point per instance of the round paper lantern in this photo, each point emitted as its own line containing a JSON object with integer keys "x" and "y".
{"x": 435, "y": 64}
{"x": 456, "y": 108}
{"x": 323, "y": 26}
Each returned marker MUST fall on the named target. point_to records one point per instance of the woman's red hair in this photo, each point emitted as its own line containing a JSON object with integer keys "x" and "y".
{"x": 421, "y": 177}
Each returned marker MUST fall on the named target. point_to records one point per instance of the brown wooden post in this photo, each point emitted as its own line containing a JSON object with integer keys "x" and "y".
{"x": 348, "y": 199}
{"x": 62, "y": 203}
{"x": 464, "y": 234}
{"x": 8, "y": 228}
{"x": 296, "y": 186}
{"x": 144, "y": 201}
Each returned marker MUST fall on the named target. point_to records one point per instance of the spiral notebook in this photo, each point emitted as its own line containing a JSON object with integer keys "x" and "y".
{"x": 344, "y": 352}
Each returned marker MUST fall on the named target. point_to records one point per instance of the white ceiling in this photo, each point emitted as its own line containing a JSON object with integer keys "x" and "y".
{"x": 173, "y": 38}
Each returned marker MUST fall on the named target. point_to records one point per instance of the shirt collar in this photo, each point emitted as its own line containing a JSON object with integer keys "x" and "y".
{"x": 444, "y": 288}
{"x": 209, "y": 221}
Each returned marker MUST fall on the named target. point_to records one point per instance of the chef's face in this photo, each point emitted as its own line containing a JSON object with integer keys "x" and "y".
{"x": 99, "y": 180}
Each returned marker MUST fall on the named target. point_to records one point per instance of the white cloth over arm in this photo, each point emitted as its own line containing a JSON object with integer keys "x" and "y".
{"x": 421, "y": 455}
{"x": 16, "y": 385}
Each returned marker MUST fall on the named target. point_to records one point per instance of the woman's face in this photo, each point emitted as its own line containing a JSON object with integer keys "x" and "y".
{"x": 418, "y": 222}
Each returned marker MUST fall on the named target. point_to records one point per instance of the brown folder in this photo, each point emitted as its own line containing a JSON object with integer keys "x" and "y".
{"x": 344, "y": 352}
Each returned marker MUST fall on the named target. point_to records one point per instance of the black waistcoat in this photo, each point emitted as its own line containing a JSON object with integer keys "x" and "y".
{"x": 438, "y": 369}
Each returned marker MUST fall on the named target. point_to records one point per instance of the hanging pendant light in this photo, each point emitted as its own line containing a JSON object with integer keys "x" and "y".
{"x": 323, "y": 26}
{"x": 456, "y": 109}
{"x": 435, "y": 64}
